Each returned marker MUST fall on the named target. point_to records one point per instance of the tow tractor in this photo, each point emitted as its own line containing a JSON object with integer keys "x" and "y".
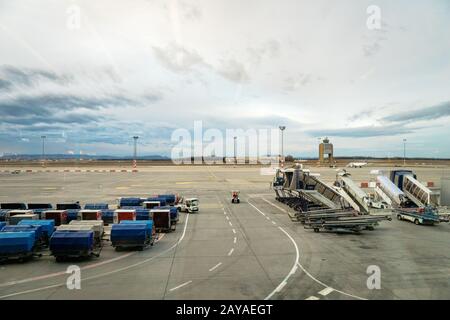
{"x": 188, "y": 205}
{"x": 235, "y": 196}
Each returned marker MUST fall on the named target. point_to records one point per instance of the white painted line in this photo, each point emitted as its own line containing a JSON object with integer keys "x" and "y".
{"x": 323, "y": 284}
{"x": 312, "y": 298}
{"x": 235, "y": 239}
{"x": 281, "y": 286}
{"x": 231, "y": 252}
{"x": 273, "y": 222}
{"x": 234, "y": 231}
{"x": 109, "y": 272}
{"x": 228, "y": 218}
{"x": 215, "y": 267}
{"x": 229, "y": 222}
{"x": 326, "y": 291}
{"x": 181, "y": 285}
{"x": 272, "y": 204}
{"x": 267, "y": 218}
{"x": 294, "y": 267}
{"x": 301, "y": 267}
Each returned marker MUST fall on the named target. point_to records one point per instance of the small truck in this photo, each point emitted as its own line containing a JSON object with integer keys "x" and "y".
{"x": 427, "y": 215}
{"x": 188, "y": 205}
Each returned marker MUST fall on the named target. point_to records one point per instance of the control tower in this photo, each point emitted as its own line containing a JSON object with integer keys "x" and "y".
{"x": 326, "y": 152}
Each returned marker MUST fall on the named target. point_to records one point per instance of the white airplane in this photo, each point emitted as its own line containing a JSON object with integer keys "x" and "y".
{"x": 357, "y": 164}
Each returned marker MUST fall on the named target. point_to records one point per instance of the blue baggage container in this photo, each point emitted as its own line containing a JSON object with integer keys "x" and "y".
{"x": 148, "y": 223}
{"x": 130, "y": 202}
{"x": 16, "y": 242}
{"x": 72, "y": 243}
{"x": 162, "y": 201}
{"x": 38, "y": 208}
{"x": 47, "y": 206}
{"x": 3, "y": 214}
{"x": 108, "y": 216}
{"x": 72, "y": 214}
{"x": 2, "y": 224}
{"x": 96, "y": 206}
{"x": 24, "y": 228}
{"x": 173, "y": 212}
{"x": 142, "y": 214}
{"x": 13, "y": 206}
{"x": 48, "y": 226}
{"x": 170, "y": 198}
{"x": 130, "y": 235}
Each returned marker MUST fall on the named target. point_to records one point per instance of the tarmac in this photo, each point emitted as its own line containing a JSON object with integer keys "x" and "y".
{"x": 250, "y": 250}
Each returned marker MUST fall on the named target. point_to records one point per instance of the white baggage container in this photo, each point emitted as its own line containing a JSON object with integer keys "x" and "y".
{"x": 15, "y": 212}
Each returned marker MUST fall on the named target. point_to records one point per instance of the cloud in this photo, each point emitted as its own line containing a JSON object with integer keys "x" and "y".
{"x": 181, "y": 60}
{"x": 29, "y": 76}
{"x": 4, "y": 84}
{"x": 362, "y": 132}
{"x": 270, "y": 49}
{"x": 233, "y": 71}
{"x": 190, "y": 11}
{"x": 429, "y": 113}
{"x": 178, "y": 59}
{"x": 361, "y": 115}
{"x": 293, "y": 83}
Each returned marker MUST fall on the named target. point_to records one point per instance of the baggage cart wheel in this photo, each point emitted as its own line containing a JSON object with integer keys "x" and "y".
{"x": 399, "y": 217}
{"x": 316, "y": 229}
{"x": 416, "y": 222}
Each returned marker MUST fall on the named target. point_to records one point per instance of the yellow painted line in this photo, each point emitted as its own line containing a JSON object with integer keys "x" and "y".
{"x": 137, "y": 185}
{"x": 186, "y": 182}
{"x": 49, "y": 188}
{"x": 122, "y": 188}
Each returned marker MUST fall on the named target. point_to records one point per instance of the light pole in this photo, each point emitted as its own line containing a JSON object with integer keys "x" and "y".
{"x": 43, "y": 150}
{"x": 235, "y": 155}
{"x": 282, "y": 128}
{"x": 404, "y": 152}
{"x": 135, "y": 151}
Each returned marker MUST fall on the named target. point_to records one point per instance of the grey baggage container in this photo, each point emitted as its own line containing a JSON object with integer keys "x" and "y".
{"x": 97, "y": 226}
{"x": 14, "y": 220}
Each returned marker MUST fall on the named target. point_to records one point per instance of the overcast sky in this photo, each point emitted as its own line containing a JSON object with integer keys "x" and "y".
{"x": 149, "y": 67}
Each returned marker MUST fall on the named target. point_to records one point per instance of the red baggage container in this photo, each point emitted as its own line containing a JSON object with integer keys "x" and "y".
{"x": 90, "y": 215}
{"x": 59, "y": 216}
{"x": 124, "y": 214}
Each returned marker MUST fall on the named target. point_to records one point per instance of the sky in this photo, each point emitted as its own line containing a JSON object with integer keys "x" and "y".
{"x": 89, "y": 75}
